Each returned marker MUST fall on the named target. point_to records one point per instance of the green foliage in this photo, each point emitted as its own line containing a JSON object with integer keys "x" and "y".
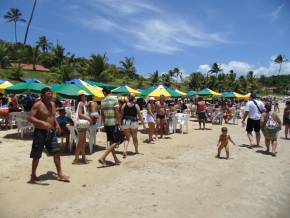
{"x": 16, "y": 74}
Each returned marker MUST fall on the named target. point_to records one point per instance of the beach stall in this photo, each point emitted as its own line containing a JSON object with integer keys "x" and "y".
{"x": 209, "y": 93}
{"x": 125, "y": 90}
{"x": 183, "y": 94}
{"x": 102, "y": 85}
{"x": 192, "y": 94}
{"x": 232, "y": 95}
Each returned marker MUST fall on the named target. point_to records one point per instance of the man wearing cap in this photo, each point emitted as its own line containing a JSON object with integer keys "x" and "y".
{"x": 253, "y": 110}
{"x": 111, "y": 119}
{"x": 43, "y": 116}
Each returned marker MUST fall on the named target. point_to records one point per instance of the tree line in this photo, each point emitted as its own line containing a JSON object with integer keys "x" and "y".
{"x": 64, "y": 66}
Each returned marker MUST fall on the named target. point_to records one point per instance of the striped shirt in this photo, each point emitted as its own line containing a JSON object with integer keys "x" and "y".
{"x": 108, "y": 106}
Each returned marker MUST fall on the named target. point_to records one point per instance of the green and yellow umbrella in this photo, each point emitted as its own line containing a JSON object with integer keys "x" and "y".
{"x": 125, "y": 90}
{"x": 21, "y": 88}
{"x": 156, "y": 91}
{"x": 192, "y": 93}
{"x": 209, "y": 93}
{"x": 232, "y": 95}
{"x": 4, "y": 85}
{"x": 183, "y": 94}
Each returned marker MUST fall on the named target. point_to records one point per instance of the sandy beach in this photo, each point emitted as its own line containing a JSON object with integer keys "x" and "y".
{"x": 176, "y": 177}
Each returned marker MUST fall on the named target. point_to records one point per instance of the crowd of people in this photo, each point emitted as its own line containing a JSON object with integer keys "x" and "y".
{"x": 121, "y": 118}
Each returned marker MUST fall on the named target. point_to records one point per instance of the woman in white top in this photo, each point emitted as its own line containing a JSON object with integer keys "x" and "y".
{"x": 82, "y": 114}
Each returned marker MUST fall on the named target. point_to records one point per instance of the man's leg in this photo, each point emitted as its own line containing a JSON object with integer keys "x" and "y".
{"x": 35, "y": 162}
{"x": 107, "y": 152}
{"x": 250, "y": 136}
{"x": 60, "y": 174}
{"x": 258, "y": 138}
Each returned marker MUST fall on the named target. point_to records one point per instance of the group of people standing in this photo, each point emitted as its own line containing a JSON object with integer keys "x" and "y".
{"x": 121, "y": 123}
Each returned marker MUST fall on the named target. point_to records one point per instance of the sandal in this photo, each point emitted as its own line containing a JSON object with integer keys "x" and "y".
{"x": 77, "y": 162}
{"x": 103, "y": 162}
{"x": 63, "y": 178}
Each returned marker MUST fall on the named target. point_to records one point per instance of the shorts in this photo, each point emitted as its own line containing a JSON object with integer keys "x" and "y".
{"x": 201, "y": 116}
{"x": 160, "y": 117}
{"x": 253, "y": 125}
{"x": 43, "y": 138}
{"x": 128, "y": 124}
{"x": 114, "y": 135}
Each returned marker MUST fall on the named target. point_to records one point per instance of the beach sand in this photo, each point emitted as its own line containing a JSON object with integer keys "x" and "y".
{"x": 176, "y": 177}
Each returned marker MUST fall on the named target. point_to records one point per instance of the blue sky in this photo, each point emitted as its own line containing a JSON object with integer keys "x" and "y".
{"x": 163, "y": 34}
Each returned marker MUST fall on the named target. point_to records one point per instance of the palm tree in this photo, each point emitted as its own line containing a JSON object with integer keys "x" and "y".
{"x": 58, "y": 54}
{"x": 33, "y": 56}
{"x": 29, "y": 22}
{"x": 154, "y": 78}
{"x": 280, "y": 59}
{"x": 44, "y": 44}
{"x": 177, "y": 74}
{"x": 14, "y": 15}
{"x": 215, "y": 69}
{"x": 196, "y": 81}
{"x": 97, "y": 67}
{"x": 166, "y": 79}
{"x": 127, "y": 66}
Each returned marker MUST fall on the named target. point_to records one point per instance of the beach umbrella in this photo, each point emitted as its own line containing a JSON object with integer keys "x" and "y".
{"x": 70, "y": 91}
{"x": 125, "y": 90}
{"x": 32, "y": 80}
{"x": 156, "y": 91}
{"x": 102, "y": 85}
{"x": 192, "y": 93}
{"x": 208, "y": 92}
{"x": 2, "y": 81}
{"x": 96, "y": 91}
{"x": 181, "y": 93}
{"x": 4, "y": 85}
{"x": 232, "y": 95}
{"x": 22, "y": 88}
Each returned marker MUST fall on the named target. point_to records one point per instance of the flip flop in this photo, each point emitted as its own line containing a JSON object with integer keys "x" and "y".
{"x": 77, "y": 162}
{"x": 63, "y": 178}
{"x": 102, "y": 162}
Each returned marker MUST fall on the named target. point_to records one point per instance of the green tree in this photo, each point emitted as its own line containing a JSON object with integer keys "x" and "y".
{"x": 58, "y": 54}
{"x": 17, "y": 73}
{"x": 14, "y": 15}
{"x": 44, "y": 44}
{"x": 97, "y": 67}
{"x": 196, "y": 81}
{"x": 280, "y": 59}
{"x": 128, "y": 67}
{"x": 32, "y": 56}
{"x": 166, "y": 79}
{"x": 29, "y": 22}
{"x": 4, "y": 57}
{"x": 215, "y": 69}
{"x": 154, "y": 78}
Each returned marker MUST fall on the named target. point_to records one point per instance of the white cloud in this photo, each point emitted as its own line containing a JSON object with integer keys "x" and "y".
{"x": 152, "y": 31}
{"x": 275, "y": 14}
{"x": 242, "y": 68}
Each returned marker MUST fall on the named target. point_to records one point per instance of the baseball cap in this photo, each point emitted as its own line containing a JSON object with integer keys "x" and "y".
{"x": 45, "y": 90}
{"x": 82, "y": 92}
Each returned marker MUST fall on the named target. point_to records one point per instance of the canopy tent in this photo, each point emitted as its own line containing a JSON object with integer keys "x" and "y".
{"x": 232, "y": 95}
{"x": 32, "y": 80}
{"x": 22, "y": 88}
{"x": 156, "y": 91}
{"x": 125, "y": 90}
{"x": 180, "y": 92}
{"x": 208, "y": 92}
{"x": 102, "y": 85}
{"x": 192, "y": 93}
{"x": 4, "y": 85}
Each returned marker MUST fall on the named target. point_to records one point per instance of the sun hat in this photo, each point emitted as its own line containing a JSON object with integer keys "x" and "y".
{"x": 152, "y": 98}
{"x": 82, "y": 92}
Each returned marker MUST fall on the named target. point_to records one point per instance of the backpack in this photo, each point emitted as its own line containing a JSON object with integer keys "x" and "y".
{"x": 271, "y": 124}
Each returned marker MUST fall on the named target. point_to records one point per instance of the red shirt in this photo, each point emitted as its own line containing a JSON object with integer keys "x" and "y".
{"x": 201, "y": 106}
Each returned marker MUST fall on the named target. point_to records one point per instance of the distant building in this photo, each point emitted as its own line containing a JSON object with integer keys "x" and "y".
{"x": 30, "y": 67}
{"x": 270, "y": 89}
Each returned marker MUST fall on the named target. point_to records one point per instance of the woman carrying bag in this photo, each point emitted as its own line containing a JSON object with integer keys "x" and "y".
{"x": 83, "y": 122}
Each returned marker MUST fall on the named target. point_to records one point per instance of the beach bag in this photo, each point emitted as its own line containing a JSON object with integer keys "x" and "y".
{"x": 81, "y": 124}
{"x": 271, "y": 124}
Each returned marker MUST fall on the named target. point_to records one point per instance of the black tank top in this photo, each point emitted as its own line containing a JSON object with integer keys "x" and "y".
{"x": 130, "y": 112}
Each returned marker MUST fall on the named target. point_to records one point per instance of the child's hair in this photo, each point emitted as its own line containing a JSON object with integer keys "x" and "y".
{"x": 224, "y": 129}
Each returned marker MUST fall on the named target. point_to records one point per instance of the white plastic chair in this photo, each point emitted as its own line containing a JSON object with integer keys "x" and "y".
{"x": 234, "y": 118}
{"x": 217, "y": 117}
{"x": 73, "y": 138}
{"x": 23, "y": 126}
{"x": 182, "y": 120}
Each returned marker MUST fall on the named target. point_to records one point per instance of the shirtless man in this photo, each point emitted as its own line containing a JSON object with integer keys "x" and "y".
{"x": 224, "y": 142}
{"x": 42, "y": 115}
{"x": 160, "y": 115}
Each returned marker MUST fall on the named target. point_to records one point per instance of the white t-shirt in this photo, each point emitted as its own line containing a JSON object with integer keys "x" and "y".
{"x": 254, "y": 113}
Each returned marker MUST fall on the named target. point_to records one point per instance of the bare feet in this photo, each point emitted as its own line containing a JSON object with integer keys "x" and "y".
{"x": 117, "y": 162}
{"x": 103, "y": 162}
{"x": 34, "y": 178}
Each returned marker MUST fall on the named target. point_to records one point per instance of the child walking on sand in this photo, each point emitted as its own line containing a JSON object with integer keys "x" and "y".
{"x": 224, "y": 142}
